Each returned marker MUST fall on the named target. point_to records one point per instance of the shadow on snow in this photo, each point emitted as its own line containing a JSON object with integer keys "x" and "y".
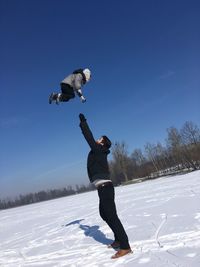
{"x": 92, "y": 231}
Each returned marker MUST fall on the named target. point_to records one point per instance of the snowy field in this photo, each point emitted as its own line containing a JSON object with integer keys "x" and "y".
{"x": 161, "y": 217}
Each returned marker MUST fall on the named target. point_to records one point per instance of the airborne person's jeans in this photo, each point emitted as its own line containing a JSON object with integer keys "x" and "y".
{"x": 67, "y": 92}
{"x": 108, "y": 213}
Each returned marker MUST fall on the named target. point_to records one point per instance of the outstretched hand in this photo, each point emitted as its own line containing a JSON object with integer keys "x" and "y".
{"x": 83, "y": 99}
{"x": 82, "y": 117}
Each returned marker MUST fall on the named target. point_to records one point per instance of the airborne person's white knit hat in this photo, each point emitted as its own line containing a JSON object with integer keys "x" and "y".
{"x": 87, "y": 73}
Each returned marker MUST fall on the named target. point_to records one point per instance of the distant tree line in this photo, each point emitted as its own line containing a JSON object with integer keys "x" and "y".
{"x": 43, "y": 195}
{"x": 181, "y": 152}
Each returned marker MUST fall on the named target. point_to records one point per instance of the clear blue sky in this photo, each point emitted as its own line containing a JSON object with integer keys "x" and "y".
{"x": 145, "y": 61}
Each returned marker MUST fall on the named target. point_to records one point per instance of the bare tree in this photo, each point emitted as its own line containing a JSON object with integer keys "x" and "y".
{"x": 178, "y": 143}
{"x": 121, "y": 159}
{"x": 190, "y": 135}
{"x": 138, "y": 156}
{"x": 174, "y": 146}
{"x": 138, "y": 161}
{"x": 152, "y": 155}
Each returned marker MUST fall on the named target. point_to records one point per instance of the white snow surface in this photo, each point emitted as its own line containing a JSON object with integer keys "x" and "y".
{"x": 161, "y": 218}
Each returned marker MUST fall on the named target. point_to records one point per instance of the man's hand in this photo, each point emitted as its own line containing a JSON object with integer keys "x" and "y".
{"x": 82, "y": 117}
{"x": 83, "y": 100}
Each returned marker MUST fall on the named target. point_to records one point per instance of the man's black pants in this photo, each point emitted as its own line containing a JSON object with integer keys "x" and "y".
{"x": 108, "y": 213}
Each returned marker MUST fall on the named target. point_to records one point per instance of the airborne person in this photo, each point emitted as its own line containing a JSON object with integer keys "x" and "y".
{"x": 72, "y": 85}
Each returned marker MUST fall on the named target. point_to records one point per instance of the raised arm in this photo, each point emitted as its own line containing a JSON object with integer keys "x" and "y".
{"x": 87, "y": 132}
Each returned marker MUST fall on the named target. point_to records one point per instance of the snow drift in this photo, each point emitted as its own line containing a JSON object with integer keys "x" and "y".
{"x": 161, "y": 217}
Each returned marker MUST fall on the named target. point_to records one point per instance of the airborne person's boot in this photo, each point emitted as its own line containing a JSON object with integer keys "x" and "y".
{"x": 54, "y": 97}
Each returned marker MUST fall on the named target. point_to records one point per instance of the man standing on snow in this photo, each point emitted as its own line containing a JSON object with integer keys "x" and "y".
{"x": 70, "y": 85}
{"x": 99, "y": 175}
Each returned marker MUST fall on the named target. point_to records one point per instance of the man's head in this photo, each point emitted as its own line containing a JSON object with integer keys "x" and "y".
{"x": 104, "y": 141}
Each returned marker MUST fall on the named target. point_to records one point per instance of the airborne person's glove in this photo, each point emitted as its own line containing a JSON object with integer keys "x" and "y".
{"x": 83, "y": 100}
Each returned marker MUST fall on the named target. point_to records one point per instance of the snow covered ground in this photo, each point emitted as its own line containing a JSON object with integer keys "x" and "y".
{"x": 161, "y": 217}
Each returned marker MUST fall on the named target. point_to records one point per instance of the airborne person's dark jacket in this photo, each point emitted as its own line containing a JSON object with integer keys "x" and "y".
{"x": 97, "y": 163}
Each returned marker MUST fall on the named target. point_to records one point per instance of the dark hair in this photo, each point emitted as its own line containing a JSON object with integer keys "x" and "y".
{"x": 107, "y": 142}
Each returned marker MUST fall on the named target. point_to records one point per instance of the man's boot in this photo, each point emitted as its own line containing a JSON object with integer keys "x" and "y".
{"x": 121, "y": 253}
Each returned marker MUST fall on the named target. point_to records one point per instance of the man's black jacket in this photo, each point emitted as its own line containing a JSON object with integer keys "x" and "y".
{"x": 97, "y": 163}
